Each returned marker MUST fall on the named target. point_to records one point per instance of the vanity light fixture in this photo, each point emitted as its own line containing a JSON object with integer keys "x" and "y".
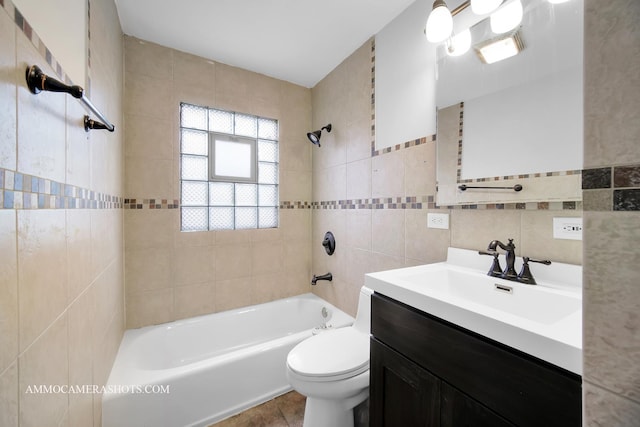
{"x": 439, "y": 22}
{"x": 507, "y": 17}
{"x": 500, "y": 48}
{"x": 557, "y": 1}
{"x": 459, "y": 44}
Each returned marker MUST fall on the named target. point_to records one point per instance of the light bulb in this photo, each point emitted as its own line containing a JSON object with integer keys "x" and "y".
{"x": 439, "y": 24}
{"x": 484, "y": 7}
{"x": 459, "y": 44}
{"x": 507, "y": 17}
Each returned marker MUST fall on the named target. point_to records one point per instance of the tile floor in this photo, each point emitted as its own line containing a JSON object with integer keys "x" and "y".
{"x": 283, "y": 411}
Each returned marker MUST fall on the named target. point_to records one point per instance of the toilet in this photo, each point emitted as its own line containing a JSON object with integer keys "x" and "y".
{"x": 332, "y": 370}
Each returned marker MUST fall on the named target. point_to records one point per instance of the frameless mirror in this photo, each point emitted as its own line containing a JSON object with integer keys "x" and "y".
{"x": 518, "y": 121}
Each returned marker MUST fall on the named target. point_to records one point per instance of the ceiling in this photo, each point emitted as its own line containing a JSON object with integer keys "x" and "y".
{"x": 299, "y": 41}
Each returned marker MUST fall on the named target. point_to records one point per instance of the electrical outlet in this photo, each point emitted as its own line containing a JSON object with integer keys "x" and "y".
{"x": 567, "y": 228}
{"x": 438, "y": 220}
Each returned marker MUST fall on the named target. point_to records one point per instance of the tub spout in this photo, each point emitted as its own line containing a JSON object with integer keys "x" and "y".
{"x": 327, "y": 276}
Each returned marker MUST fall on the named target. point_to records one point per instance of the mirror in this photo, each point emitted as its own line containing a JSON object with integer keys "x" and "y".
{"x": 67, "y": 43}
{"x": 518, "y": 121}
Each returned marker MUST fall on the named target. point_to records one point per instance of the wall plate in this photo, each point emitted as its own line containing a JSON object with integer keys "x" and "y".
{"x": 567, "y": 228}
{"x": 438, "y": 220}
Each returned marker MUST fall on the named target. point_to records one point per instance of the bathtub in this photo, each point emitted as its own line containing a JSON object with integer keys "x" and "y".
{"x": 198, "y": 371}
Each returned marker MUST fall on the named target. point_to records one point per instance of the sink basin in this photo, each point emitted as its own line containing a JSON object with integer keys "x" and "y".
{"x": 537, "y": 304}
{"x": 544, "y": 320}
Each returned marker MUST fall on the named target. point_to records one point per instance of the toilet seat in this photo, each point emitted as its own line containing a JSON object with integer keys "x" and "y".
{"x": 330, "y": 356}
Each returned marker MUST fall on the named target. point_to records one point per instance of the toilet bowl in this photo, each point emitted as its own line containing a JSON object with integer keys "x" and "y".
{"x": 332, "y": 370}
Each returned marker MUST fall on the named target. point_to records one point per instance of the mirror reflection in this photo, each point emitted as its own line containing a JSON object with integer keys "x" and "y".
{"x": 519, "y": 115}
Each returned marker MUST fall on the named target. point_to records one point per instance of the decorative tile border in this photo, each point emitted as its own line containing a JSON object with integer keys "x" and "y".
{"x": 612, "y": 188}
{"x": 407, "y": 144}
{"x": 373, "y": 96}
{"x": 428, "y": 202}
{"x": 151, "y": 204}
{"x": 295, "y": 205}
{"x": 22, "y": 191}
{"x": 413, "y": 202}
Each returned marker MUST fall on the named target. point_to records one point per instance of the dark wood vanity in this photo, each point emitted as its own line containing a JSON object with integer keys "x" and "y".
{"x": 429, "y": 372}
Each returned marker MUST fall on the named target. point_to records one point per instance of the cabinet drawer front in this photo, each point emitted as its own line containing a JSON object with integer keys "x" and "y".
{"x": 524, "y": 390}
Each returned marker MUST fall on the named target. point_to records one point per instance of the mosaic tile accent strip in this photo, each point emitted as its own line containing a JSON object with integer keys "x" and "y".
{"x": 373, "y": 96}
{"x": 151, "y": 203}
{"x": 407, "y": 144}
{"x": 612, "y": 188}
{"x": 428, "y": 202}
{"x": 21, "y": 191}
{"x": 413, "y": 202}
{"x": 295, "y": 205}
{"x": 156, "y": 204}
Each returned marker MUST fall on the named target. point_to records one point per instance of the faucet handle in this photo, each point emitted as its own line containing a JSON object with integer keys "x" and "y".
{"x": 495, "y": 270}
{"x": 539, "y": 261}
{"x": 525, "y": 275}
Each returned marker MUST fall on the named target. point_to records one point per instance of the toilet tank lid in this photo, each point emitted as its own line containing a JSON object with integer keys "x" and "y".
{"x": 331, "y": 353}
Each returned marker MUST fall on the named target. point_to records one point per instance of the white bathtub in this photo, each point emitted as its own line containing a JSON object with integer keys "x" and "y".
{"x": 214, "y": 366}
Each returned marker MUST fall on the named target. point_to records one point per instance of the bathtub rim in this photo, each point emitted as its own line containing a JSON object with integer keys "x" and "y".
{"x": 130, "y": 373}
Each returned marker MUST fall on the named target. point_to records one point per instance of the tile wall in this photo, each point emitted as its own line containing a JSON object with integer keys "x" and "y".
{"x": 376, "y": 201}
{"x": 612, "y": 214}
{"x": 172, "y": 274}
{"x": 61, "y": 225}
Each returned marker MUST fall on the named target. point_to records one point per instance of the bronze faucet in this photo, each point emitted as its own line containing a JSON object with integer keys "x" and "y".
{"x": 509, "y": 272}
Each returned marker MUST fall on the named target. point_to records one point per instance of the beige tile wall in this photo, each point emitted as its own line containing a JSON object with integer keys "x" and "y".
{"x": 61, "y": 275}
{"x": 378, "y": 239}
{"x": 611, "y": 254}
{"x": 172, "y": 274}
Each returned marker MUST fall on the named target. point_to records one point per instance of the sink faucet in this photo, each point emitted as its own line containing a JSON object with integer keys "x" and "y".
{"x": 509, "y": 272}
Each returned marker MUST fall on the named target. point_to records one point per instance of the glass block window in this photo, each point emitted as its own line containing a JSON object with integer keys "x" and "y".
{"x": 228, "y": 170}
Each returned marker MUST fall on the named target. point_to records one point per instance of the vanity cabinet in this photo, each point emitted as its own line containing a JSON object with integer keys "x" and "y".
{"x": 428, "y": 372}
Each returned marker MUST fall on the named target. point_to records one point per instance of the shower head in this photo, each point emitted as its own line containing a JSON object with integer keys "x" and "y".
{"x": 314, "y": 136}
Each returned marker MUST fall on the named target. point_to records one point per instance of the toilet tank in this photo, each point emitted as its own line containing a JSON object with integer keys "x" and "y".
{"x": 363, "y": 316}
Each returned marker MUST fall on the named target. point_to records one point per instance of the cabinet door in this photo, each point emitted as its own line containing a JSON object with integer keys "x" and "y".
{"x": 401, "y": 392}
{"x": 459, "y": 410}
